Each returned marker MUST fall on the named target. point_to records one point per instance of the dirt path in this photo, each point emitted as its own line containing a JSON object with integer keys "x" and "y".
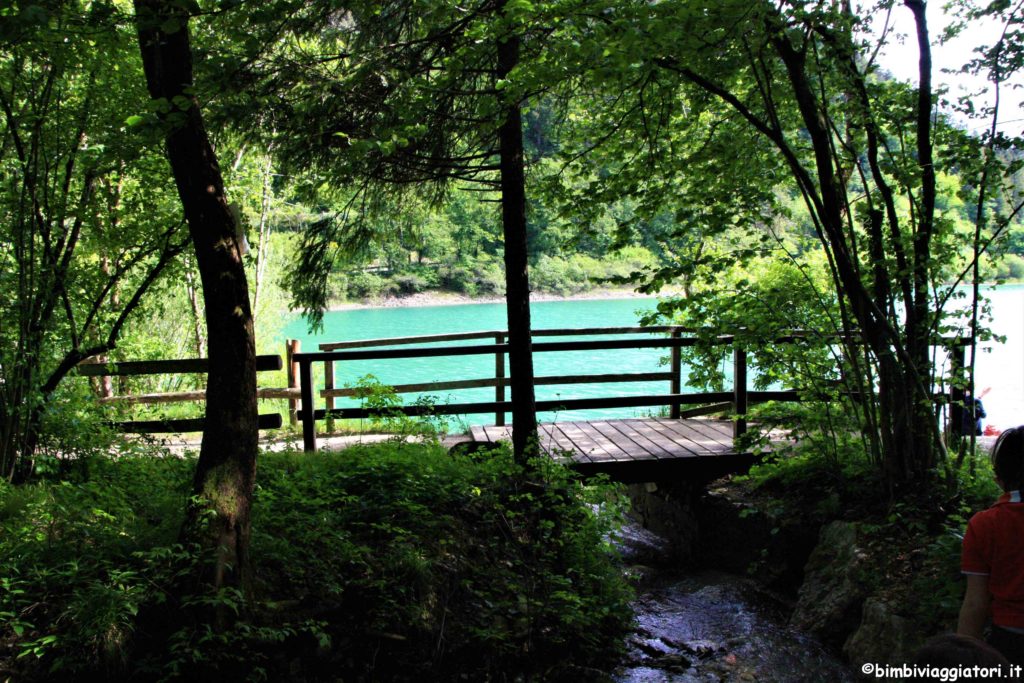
{"x": 179, "y": 444}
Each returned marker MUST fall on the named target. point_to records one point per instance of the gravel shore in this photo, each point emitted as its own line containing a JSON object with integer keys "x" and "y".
{"x": 454, "y": 299}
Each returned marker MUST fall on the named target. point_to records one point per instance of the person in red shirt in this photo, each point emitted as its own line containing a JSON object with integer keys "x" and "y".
{"x": 993, "y": 556}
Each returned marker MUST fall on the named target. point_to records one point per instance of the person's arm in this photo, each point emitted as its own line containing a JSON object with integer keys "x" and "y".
{"x": 974, "y": 610}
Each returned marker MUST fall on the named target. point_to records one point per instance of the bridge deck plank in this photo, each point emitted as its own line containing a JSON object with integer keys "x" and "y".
{"x": 657, "y": 443}
{"x": 624, "y": 442}
{"x": 650, "y": 442}
{"x": 711, "y": 432}
{"x": 557, "y": 440}
{"x": 585, "y": 447}
{"x": 682, "y": 444}
{"x": 705, "y": 439}
{"x": 637, "y": 442}
{"x": 610, "y": 450}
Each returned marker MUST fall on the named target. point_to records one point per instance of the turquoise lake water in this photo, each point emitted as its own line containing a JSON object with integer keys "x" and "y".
{"x": 371, "y": 323}
{"x": 1000, "y": 366}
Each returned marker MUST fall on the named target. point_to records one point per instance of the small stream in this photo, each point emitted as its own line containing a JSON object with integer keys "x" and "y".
{"x": 711, "y": 626}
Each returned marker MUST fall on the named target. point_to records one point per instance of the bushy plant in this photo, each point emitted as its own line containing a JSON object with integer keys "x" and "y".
{"x": 416, "y": 279}
{"x": 386, "y": 562}
{"x": 483, "y": 277}
{"x": 439, "y": 559}
{"x": 625, "y": 262}
{"x": 365, "y": 285}
{"x": 71, "y": 554}
{"x": 74, "y": 430}
{"x": 1009, "y": 267}
{"x": 555, "y": 274}
{"x": 383, "y": 405}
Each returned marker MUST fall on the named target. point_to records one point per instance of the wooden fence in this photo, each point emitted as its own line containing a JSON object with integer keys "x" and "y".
{"x": 338, "y": 352}
{"x": 300, "y": 378}
{"x": 176, "y": 366}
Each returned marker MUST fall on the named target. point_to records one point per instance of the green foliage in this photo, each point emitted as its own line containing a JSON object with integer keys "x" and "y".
{"x": 369, "y": 286}
{"x": 73, "y": 557}
{"x": 482, "y": 277}
{"x": 929, "y": 539}
{"x": 74, "y": 431}
{"x": 758, "y": 301}
{"x": 477, "y": 556}
{"x": 394, "y": 560}
{"x": 87, "y": 220}
{"x": 913, "y": 543}
{"x": 373, "y": 285}
{"x": 383, "y": 405}
{"x": 382, "y": 402}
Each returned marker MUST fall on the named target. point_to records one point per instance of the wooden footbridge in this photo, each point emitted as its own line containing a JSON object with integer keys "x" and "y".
{"x": 685, "y": 443}
{"x": 639, "y": 449}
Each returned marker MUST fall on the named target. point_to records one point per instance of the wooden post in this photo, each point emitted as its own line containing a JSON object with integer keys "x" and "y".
{"x": 675, "y": 384}
{"x": 329, "y": 386}
{"x": 499, "y": 376}
{"x": 308, "y": 409}
{"x": 291, "y": 347}
{"x": 739, "y": 388}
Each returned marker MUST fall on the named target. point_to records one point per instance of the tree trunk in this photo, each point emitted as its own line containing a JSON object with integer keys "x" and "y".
{"x": 517, "y": 281}
{"x": 225, "y": 474}
{"x": 198, "y": 336}
{"x": 908, "y": 422}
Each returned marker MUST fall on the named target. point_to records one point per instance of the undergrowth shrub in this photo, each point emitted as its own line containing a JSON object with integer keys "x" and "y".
{"x": 394, "y": 561}
{"x": 366, "y": 285}
{"x": 452, "y": 566}
{"x": 483, "y": 277}
{"x": 912, "y": 540}
{"x": 72, "y": 566}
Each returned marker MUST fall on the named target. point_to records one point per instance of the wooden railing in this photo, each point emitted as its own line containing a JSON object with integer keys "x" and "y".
{"x": 500, "y": 380}
{"x": 169, "y": 367}
{"x": 300, "y": 378}
{"x": 338, "y": 352}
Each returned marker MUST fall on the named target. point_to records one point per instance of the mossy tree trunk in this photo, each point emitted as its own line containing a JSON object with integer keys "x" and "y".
{"x": 218, "y": 518}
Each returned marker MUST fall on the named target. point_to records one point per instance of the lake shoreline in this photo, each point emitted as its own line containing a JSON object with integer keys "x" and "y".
{"x": 439, "y": 297}
{"x": 448, "y": 298}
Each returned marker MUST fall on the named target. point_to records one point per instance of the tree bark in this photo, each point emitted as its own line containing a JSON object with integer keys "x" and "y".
{"x": 517, "y": 280}
{"x": 198, "y": 336}
{"x": 907, "y": 420}
{"x": 225, "y": 474}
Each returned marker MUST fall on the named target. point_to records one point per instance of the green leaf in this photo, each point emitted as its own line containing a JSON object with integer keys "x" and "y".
{"x": 181, "y": 102}
{"x": 519, "y": 6}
